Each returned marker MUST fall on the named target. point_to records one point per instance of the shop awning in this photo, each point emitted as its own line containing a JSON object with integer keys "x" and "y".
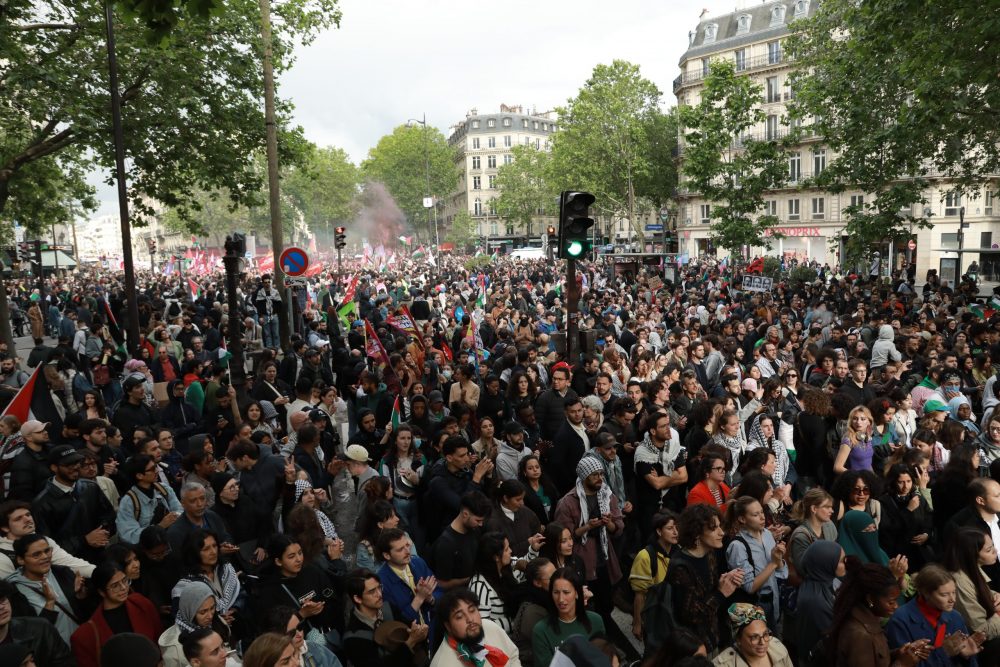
{"x": 64, "y": 260}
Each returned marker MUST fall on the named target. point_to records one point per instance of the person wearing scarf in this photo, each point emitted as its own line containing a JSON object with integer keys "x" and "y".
{"x": 751, "y": 640}
{"x": 858, "y": 535}
{"x": 468, "y": 640}
{"x": 964, "y": 417}
{"x": 594, "y": 513}
{"x": 329, "y": 531}
{"x": 820, "y": 566}
{"x": 782, "y": 464}
{"x": 187, "y": 620}
{"x": 659, "y": 467}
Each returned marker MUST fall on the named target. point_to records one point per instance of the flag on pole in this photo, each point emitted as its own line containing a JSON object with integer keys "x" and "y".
{"x": 113, "y": 328}
{"x": 195, "y": 289}
{"x": 376, "y": 352}
{"x": 34, "y": 401}
{"x": 431, "y": 260}
{"x": 397, "y": 414}
{"x": 352, "y": 287}
{"x": 404, "y": 323}
{"x": 345, "y": 310}
{"x": 419, "y": 253}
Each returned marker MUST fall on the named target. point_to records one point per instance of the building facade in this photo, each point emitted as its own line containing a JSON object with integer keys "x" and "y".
{"x": 812, "y": 220}
{"x": 483, "y": 144}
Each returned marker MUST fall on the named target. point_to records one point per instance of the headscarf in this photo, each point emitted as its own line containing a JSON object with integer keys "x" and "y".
{"x": 756, "y": 439}
{"x": 970, "y": 423}
{"x": 857, "y": 542}
{"x": 742, "y": 614}
{"x": 301, "y": 485}
{"x": 587, "y": 466}
{"x": 192, "y": 597}
{"x": 818, "y": 567}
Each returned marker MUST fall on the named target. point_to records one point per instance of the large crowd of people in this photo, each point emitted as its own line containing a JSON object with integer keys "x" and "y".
{"x": 424, "y": 476}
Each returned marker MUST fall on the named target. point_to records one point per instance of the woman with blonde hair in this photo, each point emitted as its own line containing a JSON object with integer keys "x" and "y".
{"x": 856, "y": 449}
{"x": 271, "y": 649}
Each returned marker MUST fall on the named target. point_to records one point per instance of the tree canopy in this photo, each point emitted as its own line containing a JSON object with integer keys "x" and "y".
{"x": 400, "y": 161}
{"x": 611, "y": 143}
{"x": 190, "y": 102}
{"x": 526, "y": 187}
{"x": 902, "y": 92}
{"x": 727, "y": 165}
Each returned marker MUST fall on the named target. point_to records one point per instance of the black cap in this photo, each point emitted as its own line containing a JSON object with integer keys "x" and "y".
{"x": 64, "y": 455}
{"x": 512, "y": 427}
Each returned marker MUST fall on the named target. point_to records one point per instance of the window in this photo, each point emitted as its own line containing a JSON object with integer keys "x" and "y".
{"x": 771, "y": 128}
{"x": 508, "y": 159}
{"x": 538, "y": 144}
{"x": 773, "y": 91}
{"x": 705, "y": 65}
{"x": 510, "y": 229}
{"x": 819, "y": 208}
{"x": 771, "y": 208}
{"x": 475, "y": 143}
{"x": 475, "y": 125}
{"x": 711, "y": 30}
{"x": 534, "y": 124}
{"x": 506, "y": 140}
{"x": 773, "y": 53}
{"x": 985, "y": 239}
{"x": 801, "y": 8}
{"x": 493, "y": 182}
{"x": 952, "y": 202}
{"x": 741, "y": 60}
{"x": 491, "y": 142}
{"x": 949, "y": 240}
{"x": 777, "y": 15}
{"x": 493, "y": 207}
{"x": 477, "y": 183}
{"x": 527, "y": 141}
{"x": 493, "y": 228}
{"x": 506, "y": 122}
{"x": 819, "y": 161}
{"x": 794, "y": 167}
{"x": 706, "y": 214}
{"x": 793, "y": 209}
{"x": 475, "y": 162}
{"x": 988, "y": 203}
{"x": 552, "y": 127}
{"x": 491, "y": 122}
{"x": 491, "y": 162}
{"x": 524, "y": 123}
{"x": 858, "y": 201}
{"x": 743, "y": 24}
{"x": 477, "y": 207}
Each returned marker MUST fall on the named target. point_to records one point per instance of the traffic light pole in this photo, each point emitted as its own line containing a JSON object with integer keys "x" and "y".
{"x": 572, "y": 316}
{"x": 340, "y": 267}
{"x": 237, "y": 369}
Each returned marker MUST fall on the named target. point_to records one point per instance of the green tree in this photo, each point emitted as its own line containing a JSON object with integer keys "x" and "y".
{"x": 604, "y": 143}
{"x": 402, "y": 160}
{"x": 525, "y": 187}
{"x": 324, "y": 189}
{"x": 725, "y": 164}
{"x": 901, "y": 92}
{"x": 463, "y": 231}
{"x": 190, "y": 101}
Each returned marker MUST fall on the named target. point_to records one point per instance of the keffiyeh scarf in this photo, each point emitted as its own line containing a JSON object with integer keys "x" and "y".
{"x": 329, "y": 530}
{"x": 474, "y": 655}
{"x": 587, "y": 466}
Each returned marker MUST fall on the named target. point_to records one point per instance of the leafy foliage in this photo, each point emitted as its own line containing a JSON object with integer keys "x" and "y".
{"x": 525, "y": 187}
{"x": 612, "y": 141}
{"x": 463, "y": 231}
{"x": 802, "y": 274}
{"x": 903, "y": 92}
{"x": 727, "y": 166}
{"x": 401, "y": 161}
{"x": 190, "y": 101}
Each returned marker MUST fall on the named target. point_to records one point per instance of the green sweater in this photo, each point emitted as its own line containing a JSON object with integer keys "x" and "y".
{"x": 545, "y": 641}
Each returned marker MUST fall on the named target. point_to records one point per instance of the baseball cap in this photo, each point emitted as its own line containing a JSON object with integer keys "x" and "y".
{"x": 935, "y": 405}
{"x": 357, "y": 453}
{"x": 131, "y": 382}
{"x": 64, "y": 455}
{"x": 32, "y": 426}
{"x": 512, "y": 427}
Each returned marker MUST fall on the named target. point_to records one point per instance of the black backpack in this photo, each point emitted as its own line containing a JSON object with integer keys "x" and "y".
{"x": 741, "y": 595}
{"x": 658, "y": 621}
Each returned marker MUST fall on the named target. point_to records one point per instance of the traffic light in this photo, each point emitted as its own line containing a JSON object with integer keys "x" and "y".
{"x": 24, "y": 251}
{"x": 152, "y": 246}
{"x": 340, "y": 237}
{"x": 574, "y": 224}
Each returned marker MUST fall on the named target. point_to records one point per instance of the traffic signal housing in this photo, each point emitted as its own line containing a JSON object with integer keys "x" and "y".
{"x": 25, "y": 252}
{"x": 340, "y": 238}
{"x": 574, "y": 224}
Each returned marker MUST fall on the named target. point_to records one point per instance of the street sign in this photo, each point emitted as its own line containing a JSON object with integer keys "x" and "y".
{"x": 912, "y": 245}
{"x": 64, "y": 248}
{"x": 757, "y": 283}
{"x": 293, "y": 261}
{"x": 654, "y": 228}
{"x": 296, "y": 281}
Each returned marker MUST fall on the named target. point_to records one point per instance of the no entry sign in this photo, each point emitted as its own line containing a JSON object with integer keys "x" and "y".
{"x": 293, "y": 261}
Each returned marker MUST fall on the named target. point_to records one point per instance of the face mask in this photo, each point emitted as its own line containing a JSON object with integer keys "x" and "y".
{"x": 417, "y": 442}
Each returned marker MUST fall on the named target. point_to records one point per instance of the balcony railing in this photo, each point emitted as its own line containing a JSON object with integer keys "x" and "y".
{"x": 749, "y": 65}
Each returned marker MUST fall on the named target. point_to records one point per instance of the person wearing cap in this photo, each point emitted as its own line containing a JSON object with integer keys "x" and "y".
{"x": 314, "y": 368}
{"x": 592, "y": 512}
{"x": 512, "y": 449}
{"x": 23, "y": 636}
{"x": 74, "y": 511}
{"x": 29, "y": 470}
{"x": 133, "y": 411}
{"x": 752, "y": 641}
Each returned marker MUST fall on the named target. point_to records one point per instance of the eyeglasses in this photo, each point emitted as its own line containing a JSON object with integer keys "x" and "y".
{"x": 760, "y": 639}
{"x": 718, "y": 468}
{"x": 862, "y": 491}
{"x": 117, "y": 586}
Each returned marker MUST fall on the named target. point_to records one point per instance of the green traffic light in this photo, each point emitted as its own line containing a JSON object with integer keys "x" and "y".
{"x": 574, "y": 249}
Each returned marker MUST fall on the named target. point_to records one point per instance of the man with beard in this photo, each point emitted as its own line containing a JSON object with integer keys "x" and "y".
{"x": 369, "y": 611}
{"x": 569, "y": 445}
{"x": 466, "y": 633}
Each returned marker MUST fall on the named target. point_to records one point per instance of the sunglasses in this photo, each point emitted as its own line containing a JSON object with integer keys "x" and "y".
{"x": 863, "y": 491}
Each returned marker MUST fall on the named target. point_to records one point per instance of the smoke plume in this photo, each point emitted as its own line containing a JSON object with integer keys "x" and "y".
{"x": 380, "y": 220}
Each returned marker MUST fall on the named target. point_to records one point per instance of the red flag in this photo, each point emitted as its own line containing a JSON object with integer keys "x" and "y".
{"x": 376, "y": 352}
{"x": 351, "y": 288}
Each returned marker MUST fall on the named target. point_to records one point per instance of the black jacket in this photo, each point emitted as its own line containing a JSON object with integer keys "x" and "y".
{"x": 444, "y": 496}
{"x": 129, "y": 416}
{"x": 28, "y": 474}
{"x": 550, "y": 411}
{"x": 68, "y": 517}
{"x": 46, "y": 645}
{"x": 561, "y": 459}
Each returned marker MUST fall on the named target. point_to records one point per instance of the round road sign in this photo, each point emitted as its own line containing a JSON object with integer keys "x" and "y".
{"x": 912, "y": 245}
{"x": 293, "y": 261}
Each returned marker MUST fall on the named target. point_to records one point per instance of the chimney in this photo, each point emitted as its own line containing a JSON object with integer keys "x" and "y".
{"x": 704, "y": 13}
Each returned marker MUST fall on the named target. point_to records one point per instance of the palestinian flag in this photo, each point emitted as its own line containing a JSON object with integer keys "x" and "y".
{"x": 397, "y": 413}
{"x": 195, "y": 289}
{"x": 345, "y": 310}
{"x": 34, "y": 401}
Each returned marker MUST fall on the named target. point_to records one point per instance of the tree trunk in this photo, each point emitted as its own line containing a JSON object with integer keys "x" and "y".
{"x": 639, "y": 233}
{"x": 6, "y": 333}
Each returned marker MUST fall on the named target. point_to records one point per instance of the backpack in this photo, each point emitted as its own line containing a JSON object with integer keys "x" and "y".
{"x": 658, "y": 621}
{"x": 158, "y": 488}
{"x": 741, "y": 595}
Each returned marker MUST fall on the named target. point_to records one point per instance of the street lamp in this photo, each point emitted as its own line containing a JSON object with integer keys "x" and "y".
{"x": 428, "y": 199}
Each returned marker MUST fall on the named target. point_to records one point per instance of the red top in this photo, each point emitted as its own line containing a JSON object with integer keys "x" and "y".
{"x": 703, "y": 495}
{"x": 89, "y": 637}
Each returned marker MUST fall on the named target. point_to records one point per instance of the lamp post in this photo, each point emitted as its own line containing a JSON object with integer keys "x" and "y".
{"x": 428, "y": 198}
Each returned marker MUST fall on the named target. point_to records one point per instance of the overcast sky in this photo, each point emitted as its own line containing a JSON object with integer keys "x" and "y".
{"x": 392, "y": 60}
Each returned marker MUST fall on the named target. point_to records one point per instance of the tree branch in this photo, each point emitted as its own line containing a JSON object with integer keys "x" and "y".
{"x": 27, "y": 27}
{"x": 37, "y": 151}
